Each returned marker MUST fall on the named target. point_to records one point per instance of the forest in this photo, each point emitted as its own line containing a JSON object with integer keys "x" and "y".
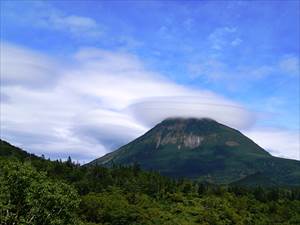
{"x": 37, "y": 191}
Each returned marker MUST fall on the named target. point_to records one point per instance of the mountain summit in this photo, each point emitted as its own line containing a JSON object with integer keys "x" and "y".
{"x": 204, "y": 150}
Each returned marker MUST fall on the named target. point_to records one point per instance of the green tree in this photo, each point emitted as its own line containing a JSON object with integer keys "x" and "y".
{"x": 29, "y": 197}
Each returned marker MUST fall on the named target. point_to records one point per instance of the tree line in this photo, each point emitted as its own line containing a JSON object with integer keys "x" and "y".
{"x": 36, "y": 191}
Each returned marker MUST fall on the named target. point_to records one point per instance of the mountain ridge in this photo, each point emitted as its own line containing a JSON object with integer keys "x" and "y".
{"x": 203, "y": 150}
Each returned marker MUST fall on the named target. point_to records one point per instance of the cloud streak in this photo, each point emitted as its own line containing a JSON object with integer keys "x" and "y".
{"x": 45, "y": 16}
{"x": 20, "y": 66}
{"x": 223, "y": 37}
{"x": 98, "y": 101}
{"x": 215, "y": 71}
{"x": 279, "y": 142}
{"x": 203, "y": 104}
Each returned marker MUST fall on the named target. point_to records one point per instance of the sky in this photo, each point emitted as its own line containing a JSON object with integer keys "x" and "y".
{"x": 82, "y": 78}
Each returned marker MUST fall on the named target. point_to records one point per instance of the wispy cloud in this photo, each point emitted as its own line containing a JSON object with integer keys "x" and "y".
{"x": 215, "y": 70}
{"x": 75, "y": 25}
{"x": 279, "y": 142}
{"x": 211, "y": 69}
{"x": 290, "y": 65}
{"x": 45, "y": 16}
{"x": 24, "y": 67}
{"x": 223, "y": 37}
{"x": 75, "y": 98}
{"x": 104, "y": 98}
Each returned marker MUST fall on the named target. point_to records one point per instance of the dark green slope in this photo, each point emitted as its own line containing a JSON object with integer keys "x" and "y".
{"x": 256, "y": 179}
{"x": 203, "y": 149}
{"x": 9, "y": 151}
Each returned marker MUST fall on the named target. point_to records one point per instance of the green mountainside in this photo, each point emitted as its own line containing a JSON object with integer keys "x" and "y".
{"x": 203, "y": 150}
{"x": 8, "y": 150}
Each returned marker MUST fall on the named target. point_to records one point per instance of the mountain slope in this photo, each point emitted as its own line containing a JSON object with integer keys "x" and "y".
{"x": 9, "y": 151}
{"x": 202, "y": 149}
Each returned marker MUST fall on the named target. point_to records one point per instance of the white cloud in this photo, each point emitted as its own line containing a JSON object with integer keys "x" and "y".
{"x": 42, "y": 14}
{"x": 260, "y": 72}
{"x": 204, "y": 104}
{"x": 41, "y": 121}
{"x": 215, "y": 71}
{"x": 279, "y": 142}
{"x": 223, "y": 37}
{"x": 76, "y": 25}
{"x": 107, "y": 127}
{"x": 211, "y": 68}
{"x": 20, "y": 66}
{"x": 236, "y": 42}
{"x": 102, "y": 100}
{"x": 290, "y": 65}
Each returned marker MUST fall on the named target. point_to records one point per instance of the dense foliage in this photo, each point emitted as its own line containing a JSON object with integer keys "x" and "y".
{"x": 35, "y": 191}
{"x": 29, "y": 197}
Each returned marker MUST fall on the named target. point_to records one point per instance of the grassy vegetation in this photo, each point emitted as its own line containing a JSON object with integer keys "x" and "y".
{"x": 36, "y": 191}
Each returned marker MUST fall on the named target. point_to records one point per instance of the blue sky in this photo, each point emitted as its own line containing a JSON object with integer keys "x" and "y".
{"x": 243, "y": 53}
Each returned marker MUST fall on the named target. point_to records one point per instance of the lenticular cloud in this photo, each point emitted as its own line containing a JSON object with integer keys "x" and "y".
{"x": 153, "y": 110}
{"x": 100, "y": 102}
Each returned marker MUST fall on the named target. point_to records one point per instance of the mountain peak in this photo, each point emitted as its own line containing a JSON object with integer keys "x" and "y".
{"x": 184, "y": 133}
{"x": 186, "y": 119}
{"x": 201, "y": 149}
{"x": 188, "y": 126}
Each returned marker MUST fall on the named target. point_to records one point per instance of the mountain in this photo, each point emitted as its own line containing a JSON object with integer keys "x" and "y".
{"x": 9, "y": 151}
{"x": 204, "y": 150}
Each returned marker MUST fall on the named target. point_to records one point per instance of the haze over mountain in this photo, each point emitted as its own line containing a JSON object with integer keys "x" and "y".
{"x": 203, "y": 149}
